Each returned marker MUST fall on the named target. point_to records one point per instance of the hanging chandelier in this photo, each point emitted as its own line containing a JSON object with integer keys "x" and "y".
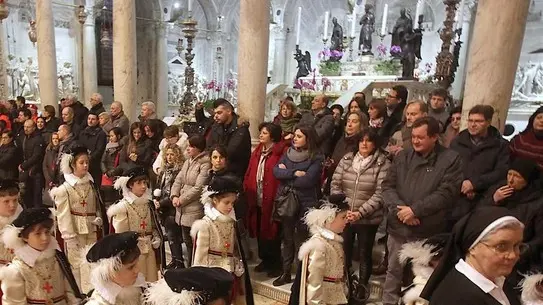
{"x": 105, "y": 30}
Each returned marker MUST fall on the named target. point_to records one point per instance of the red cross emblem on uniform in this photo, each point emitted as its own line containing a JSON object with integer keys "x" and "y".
{"x": 143, "y": 224}
{"x": 83, "y": 203}
{"x": 47, "y": 287}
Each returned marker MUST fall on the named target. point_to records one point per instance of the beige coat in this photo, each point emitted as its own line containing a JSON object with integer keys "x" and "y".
{"x": 323, "y": 270}
{"x": 363, "y": 188}
{"x": 188, "y": 186}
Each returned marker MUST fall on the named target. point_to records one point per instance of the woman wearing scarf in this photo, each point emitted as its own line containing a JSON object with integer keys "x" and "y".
{"x": 522, "y": 196}
{"x": 287, "y": 118}
{"x": 529, "y": 143}
{"x": 483, "y": 249}
{"x": 260, "y": 188}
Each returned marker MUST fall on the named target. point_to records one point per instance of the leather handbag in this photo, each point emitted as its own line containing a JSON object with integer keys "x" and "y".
{"x": 286, "y": 204}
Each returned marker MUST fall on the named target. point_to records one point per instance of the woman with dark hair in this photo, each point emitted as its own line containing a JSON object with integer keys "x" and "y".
{"x": 529, "y": 143}
{"x": 452, "y": 128}
{"x": 298, "y": 170}
{"x": 152, "y": 131}
{"x": 188, "y": 186}
{"x": 218, "y": 156}
{"x": 359, "y": 175}
{"x": 377, "y": 111}
{"x": 358, "y": 103}
{"x": 139, "y": 150}
{"x": 261, "y": 188}
{"x": 110, "y": 165}
{"x": 50, "y": 160}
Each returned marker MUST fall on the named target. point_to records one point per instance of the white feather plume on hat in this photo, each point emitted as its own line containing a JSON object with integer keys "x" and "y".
{"x": 318, "y": 218}
{"x": 159, "y": 293}
{"x": 121, "y": 185}
{"x": 65, "y": 163}
{"x": 530, "y": 294}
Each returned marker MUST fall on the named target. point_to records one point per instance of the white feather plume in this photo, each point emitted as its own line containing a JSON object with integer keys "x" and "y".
{"x": 205, "y": 199}
{"x": 312, "y": 244}
{"x": 159, "y": 293}
{"x": 318, "y": 218}
{"x": 102, "y": 270}
{"x": 530, "y": 294}
{"x": 65, "y": 162}
{"x": 11, "y": 238}
{"x": 121, "y": 185}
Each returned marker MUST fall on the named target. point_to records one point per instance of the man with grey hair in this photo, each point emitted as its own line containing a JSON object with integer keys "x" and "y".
{"x": 401, "y": 139}
{"x": 80, "y": 111}
{"x": 148, "y": 114}
{"x": 68, "y": 118}
{"x": 117, "y": 118}
{"x": 96, "y": 102}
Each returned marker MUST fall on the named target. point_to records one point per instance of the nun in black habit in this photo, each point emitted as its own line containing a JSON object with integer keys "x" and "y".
{"x": 483, "y": 249}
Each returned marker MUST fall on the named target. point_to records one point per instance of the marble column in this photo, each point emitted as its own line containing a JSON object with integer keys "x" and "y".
{"x": 162, "y": 70}
{"x": 253, "y": 44}
{"x": 493, "y": 56}
{"x": 280, "y": 55}
{"x": 4, "y": 90}
{"x": 47, "y": 55}
{"x": 124, "y": 56}
{"x": 90, "y": 73}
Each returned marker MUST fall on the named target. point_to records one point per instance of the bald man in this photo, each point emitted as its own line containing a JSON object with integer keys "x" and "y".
{"x": 118, "y": 118}
{"x": 68, "y": 118}
{"x": 30, "y": 171}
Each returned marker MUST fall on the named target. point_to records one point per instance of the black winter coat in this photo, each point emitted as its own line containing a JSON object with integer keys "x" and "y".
{"x": 97, "y": 109}
{"x": 237, "y": 140}
{"x": 52, "y": 125}
{"x": 145, "y": 152}
{"x": 94, "y": 139}
{"x": 484, "y": 164}
{"x": 429, "y": 186}
{"x": 10, "y": 158}
{"x": 33, "y": 148}
{"x": 80, "y": 114}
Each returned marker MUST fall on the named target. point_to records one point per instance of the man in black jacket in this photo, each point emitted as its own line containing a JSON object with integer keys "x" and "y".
{"x": 94, "y": 139}
{"x": 10, "y": 157}
{"x": 232, "y": 134}
{"x": 419, "y": 191}
{"x": 396, "y": 101}
{"x": 51, "y": 121}
{"x": 69, "y": 119}
{"x": 485, "y": 156}
{"x": 30, "y": 171}
{"x": 80, "y": 111}
{"x": 67, "y": 140}
{"x": 321, "y": 118}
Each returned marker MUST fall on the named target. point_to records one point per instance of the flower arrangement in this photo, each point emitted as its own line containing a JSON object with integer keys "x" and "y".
{"x": 395, "y": 50}
{"x": 330, "y": 62}
{"x": 381, "y": 51}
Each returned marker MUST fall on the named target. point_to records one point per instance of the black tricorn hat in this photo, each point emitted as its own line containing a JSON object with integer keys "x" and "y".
{"x": 211, "y": 283}
{"x": 112, "y": 245}
{"x": 134, "y": 172}
{"x": 224, "y": 184}
{"x": 338, "y": 201}
{"x": 31, "y": 216}
{"x": 9, "y": 184}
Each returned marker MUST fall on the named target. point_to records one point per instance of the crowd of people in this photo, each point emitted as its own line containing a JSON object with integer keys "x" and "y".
{"x": 313, "y": 193}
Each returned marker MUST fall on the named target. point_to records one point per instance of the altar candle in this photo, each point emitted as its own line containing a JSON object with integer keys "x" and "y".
{"x": 298, "y": 25}
{"x": 326, "y": 16}
{"x": 353, "y": 25}
{"x": 190, "y": 6}
{"x": 418, "y": 12}
{"x": 384, "y": 21}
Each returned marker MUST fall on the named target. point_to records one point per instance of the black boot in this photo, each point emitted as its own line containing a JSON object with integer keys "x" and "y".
{"x": 282, "y": 280}
{"x": 177, "y": 255}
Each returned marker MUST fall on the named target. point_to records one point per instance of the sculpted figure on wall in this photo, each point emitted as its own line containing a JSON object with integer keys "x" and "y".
{"x": 529, "y": 82}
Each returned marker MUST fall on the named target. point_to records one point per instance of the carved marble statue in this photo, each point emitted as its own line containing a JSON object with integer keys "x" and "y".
{"x": 403, "y": 25}
{"x": 368, "y": 27}
{"x": 529, "y": 82}
{"x": 304, "y": 63}
{"x": 23, "y": 84}
{"x": 337, "y": 36}
{"x": 66, "y": 79}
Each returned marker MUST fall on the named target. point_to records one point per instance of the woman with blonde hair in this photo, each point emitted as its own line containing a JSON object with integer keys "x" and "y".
{"x": 172, "y": 160}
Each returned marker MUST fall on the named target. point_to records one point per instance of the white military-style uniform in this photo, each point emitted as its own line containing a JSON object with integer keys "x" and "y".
{"x": 133, "y": 213}
{"x": 215, "y": 244}
{"x": 34, "y": 277}
{"x": 323, "y": 278}
{"x": 78, "y": 220}
{"x": 109, "y": 293}
{"x": 6, "y": 254}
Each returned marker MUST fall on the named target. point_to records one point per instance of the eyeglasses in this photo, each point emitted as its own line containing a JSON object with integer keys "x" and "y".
{"x": 503, "y": 249}
{"x": 456, "y": 118}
